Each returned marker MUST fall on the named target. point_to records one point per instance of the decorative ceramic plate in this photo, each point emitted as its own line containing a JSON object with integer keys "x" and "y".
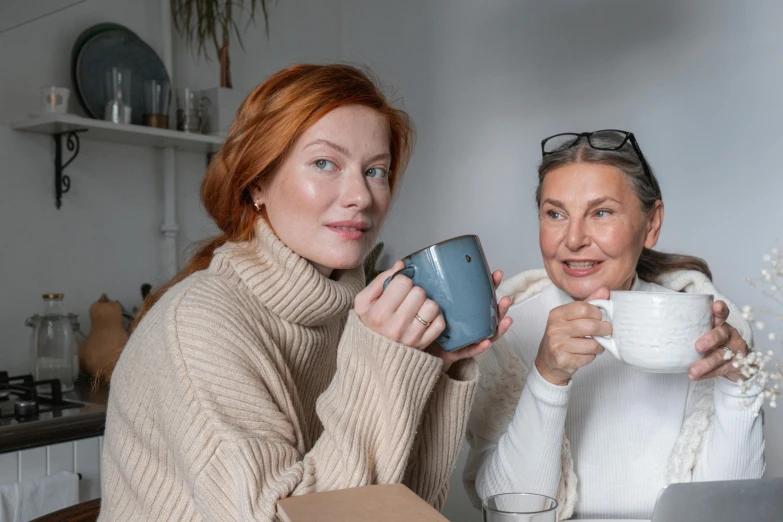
{"x": 76, "y": 49}
{"x": 113, "y": 47}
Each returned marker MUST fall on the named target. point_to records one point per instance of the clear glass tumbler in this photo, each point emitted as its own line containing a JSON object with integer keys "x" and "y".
{"x": 54, "y": 99}
{"x": 519, "y": 507}
{"x": 157, "y": 95}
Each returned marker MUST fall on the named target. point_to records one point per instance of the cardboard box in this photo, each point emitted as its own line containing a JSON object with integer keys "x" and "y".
{"x": 385, "y": 503}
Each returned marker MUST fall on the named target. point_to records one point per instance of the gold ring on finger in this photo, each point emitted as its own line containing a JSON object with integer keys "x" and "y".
{"x": 422, "y": 321}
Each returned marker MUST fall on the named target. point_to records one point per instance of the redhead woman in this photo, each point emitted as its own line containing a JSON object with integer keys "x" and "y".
{"x": 558, "y": 416}
{"x": 265, "y": 369}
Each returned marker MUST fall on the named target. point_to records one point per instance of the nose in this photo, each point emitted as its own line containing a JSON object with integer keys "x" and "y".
{"x": 355, "y": 193}
{"x": 576, "y": 235}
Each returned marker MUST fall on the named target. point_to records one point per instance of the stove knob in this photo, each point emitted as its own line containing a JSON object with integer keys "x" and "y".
{"x": 25, "y": 409}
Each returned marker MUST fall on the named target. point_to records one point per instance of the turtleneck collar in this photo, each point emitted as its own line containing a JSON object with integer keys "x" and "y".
{"x": 286, "y": 283}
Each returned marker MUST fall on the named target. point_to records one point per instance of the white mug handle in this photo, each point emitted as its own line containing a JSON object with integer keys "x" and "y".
{"x": 607, "y": 311}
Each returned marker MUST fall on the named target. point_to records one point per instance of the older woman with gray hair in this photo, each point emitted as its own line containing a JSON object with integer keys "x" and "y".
{"x": 554, "y": 415}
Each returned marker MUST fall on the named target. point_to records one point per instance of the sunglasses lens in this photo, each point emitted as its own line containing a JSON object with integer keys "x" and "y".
{"x": 608, "y": 139}
{"x": 558, "y": 143}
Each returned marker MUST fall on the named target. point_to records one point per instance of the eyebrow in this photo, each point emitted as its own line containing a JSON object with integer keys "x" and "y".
{"x": 345, "y": 152}
{"x": 595, "y": 202}
{"x": 338, "y": 148}
{"x": 591, "y": 203}
{"x": 553, "y": 202}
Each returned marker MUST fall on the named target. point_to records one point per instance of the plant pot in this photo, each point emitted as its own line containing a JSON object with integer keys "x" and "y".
{"x": 223, "y": 106}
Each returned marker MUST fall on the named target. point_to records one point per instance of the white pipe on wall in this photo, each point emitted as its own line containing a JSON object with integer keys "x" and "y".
{"x": 170, "y": 229}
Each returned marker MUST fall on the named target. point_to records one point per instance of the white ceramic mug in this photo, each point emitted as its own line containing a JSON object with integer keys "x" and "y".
{"x": 656, "y": 332}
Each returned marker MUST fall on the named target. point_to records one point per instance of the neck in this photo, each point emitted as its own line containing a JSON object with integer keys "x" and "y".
{"x": 323, "y": 270}
{"x": 628, "y": 283}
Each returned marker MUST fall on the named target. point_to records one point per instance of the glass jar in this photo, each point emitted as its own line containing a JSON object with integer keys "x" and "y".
{"x": 53, "y": 343}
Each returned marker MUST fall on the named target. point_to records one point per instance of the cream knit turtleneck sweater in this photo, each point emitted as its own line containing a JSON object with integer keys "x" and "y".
{"x": 253, "y": 380}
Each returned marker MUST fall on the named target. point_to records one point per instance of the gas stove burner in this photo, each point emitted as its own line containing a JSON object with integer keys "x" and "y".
{"x": 22, "y": 398}
{"x": 25, "y": 409}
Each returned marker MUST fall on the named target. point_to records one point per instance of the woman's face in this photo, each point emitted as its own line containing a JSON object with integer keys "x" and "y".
{"x": 592, "y": 228}
{"x": 330, "y": 196}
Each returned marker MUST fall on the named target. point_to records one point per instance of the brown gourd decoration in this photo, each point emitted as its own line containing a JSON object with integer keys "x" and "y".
{"x": 107, "y": 335}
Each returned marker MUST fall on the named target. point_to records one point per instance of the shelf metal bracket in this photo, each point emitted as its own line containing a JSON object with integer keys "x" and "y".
{"x": 62, "y": 183}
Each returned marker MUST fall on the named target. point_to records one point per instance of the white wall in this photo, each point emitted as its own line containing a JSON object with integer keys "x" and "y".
{"x": 699, "y": 82}
{"x": 106, "y": 237}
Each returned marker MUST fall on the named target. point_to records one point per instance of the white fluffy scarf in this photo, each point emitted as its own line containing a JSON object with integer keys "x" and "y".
{"x": 503, "y": 376}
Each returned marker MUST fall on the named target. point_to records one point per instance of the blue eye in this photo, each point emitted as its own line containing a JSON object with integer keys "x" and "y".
{"x": 377, "y": 172}
{"x": 326, "y": 165}
{"x": 553, "y": 214}
{"x": 603, "y": 212}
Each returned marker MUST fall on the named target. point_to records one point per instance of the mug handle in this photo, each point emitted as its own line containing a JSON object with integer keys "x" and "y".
{"x": 408, "y": 271}
{"x": 607, "y": 310}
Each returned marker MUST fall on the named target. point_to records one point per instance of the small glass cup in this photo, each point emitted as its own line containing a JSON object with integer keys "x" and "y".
{"x": 192, "y": 110}
{"x": 519, "y": 507}
{"x": 157, "y": 96}
{"x": 54, "y": 99}
{"x": 188, "y": 117}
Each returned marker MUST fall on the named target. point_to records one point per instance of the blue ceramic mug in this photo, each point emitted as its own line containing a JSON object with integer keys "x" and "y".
{"x": 454, "y": 274}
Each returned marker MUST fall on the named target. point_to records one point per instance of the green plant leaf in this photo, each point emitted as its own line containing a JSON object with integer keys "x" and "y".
{"x": 207, "y": 22}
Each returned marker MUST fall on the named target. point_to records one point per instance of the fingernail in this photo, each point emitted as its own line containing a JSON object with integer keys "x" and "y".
{"x": 702, "y": 344}
{"x": 692, "y": 377}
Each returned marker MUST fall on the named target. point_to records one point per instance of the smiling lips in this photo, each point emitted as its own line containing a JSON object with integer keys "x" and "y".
{"x": 580, "y": 268}
{"x": 349, "y": 229}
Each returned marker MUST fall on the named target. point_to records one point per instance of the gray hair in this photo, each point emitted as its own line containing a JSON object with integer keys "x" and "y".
{"x": 651, "y": 264}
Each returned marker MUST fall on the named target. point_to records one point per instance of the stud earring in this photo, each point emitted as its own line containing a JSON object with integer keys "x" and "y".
{"x": 258, "y": 206}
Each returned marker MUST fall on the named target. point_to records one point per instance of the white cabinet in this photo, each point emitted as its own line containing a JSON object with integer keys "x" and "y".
{"x": 81, "y": 456}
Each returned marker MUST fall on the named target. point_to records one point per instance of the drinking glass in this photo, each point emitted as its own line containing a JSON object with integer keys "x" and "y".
{"x": 157, "y": 96}
{"x": 519, "y": 507}
{"x": 192, "y": 110}
{"x": 54, "y": 99}
{"x": 188, "y": 117}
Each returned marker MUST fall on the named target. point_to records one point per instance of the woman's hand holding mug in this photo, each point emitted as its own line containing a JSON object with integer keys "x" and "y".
{"x": 719, "y": 347}
{"x": 402, "y": 312}
{"x": 567, "y": 344}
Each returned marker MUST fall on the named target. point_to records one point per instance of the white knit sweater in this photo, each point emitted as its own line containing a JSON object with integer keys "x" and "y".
{"x": 253, "y": 380}
{"x": 624, "y": 433}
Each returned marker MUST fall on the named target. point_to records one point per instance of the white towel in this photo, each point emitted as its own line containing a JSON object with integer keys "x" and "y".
{"x": 29, "y": 499}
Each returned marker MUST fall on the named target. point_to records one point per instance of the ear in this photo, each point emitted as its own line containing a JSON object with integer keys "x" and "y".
{"x": 257, "y": 193}
{"x": 655, "y": 220}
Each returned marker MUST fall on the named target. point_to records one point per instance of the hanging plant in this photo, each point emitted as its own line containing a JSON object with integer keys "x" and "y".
{"x": 205, "y": 23}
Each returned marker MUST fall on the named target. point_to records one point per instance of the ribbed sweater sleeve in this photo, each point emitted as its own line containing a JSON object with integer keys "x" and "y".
{"x": 734, "y": 448}
{"x": 370, "y": 413}
{"x": 527, "y": 456}
{"x": 440, "y": 435}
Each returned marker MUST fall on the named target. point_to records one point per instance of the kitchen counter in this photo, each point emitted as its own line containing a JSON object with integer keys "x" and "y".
{"x": 60, "y": 426}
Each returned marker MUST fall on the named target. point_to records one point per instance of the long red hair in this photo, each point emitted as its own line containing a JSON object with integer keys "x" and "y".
{"x": 265, "y": 128}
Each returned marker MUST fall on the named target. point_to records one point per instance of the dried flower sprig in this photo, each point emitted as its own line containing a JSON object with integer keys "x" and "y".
{"x": 765, "y": 369}
{"x": 768, "y": 373}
